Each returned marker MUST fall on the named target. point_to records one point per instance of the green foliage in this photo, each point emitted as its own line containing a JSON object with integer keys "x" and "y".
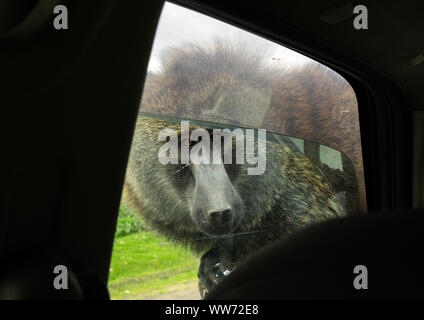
{"x": 128, "y": 222}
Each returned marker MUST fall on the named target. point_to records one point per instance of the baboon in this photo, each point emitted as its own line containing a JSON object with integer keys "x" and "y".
{"x": 218, "y": 209}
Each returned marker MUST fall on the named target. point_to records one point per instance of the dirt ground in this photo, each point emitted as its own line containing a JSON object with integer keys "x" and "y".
{"x": 185, "y": 290}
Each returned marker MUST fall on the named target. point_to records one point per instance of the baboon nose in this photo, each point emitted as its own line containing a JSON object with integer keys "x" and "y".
{"x": 220, "y": 216}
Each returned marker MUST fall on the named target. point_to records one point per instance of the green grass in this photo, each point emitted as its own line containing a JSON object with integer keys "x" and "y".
{"x": 144, "y": 264}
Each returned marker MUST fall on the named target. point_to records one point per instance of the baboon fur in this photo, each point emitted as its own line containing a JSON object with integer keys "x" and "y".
{"x": 310, "y": 102}
{"x": 292, "y": 192}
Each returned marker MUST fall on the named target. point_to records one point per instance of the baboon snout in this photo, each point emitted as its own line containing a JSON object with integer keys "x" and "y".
{"x": 220, "y": 216}
{"x": 217, "y": 208}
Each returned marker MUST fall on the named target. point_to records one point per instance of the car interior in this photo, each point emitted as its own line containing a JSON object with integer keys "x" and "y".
{"x": 70, "y": 100}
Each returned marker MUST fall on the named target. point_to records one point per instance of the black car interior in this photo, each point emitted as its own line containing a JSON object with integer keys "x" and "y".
{"x": 69, "y": 101}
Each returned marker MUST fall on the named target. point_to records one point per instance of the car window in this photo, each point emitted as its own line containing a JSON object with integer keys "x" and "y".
{"x": 238, "y": 142}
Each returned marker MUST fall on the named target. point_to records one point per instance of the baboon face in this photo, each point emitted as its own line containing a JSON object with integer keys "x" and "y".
{"x": 215, "y": 206}
{"x": 205, "y": 196}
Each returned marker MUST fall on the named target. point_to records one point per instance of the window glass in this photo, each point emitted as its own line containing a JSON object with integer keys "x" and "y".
{"x": 238, "y": 142}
